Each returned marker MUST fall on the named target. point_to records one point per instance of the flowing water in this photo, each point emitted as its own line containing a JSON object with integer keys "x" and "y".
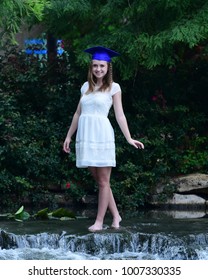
{"x": 147, "y": 236}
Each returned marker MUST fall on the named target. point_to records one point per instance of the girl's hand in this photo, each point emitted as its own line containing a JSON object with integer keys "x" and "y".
{"x": 66, "y": 144}
{"x": 136, "y": 144}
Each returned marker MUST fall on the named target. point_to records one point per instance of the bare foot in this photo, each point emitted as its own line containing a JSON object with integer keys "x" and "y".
{"x": 116, "y": 222}
{"x": 96, "y": 227}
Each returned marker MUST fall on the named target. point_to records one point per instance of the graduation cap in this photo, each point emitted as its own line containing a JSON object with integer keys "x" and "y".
{"x": 101, "y": 53}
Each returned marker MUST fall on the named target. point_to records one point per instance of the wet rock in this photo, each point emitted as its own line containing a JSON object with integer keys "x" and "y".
{"x": 197, "y": 183}
{"x": 6, "y": 240}
{"x": 186, "y": 199}
{"x": 190, "y": 191}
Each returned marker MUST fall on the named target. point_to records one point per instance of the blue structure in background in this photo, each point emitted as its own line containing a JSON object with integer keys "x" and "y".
{"x": 38, "y": 47}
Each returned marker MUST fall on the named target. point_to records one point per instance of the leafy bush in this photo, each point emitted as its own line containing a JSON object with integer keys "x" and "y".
{"x": 163, "y": 110}
{"x": 35, "y": 114}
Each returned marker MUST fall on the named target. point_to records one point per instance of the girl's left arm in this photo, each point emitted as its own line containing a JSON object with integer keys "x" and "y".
{"x": 122, "y": 122}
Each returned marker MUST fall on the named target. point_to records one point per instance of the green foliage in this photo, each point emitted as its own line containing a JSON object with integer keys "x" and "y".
{"x": 63, "y": 213}
{"x": 14, "y": 13}
{"x": 42, "y": 214}
{"x": 146, "y": 33}
{"x": 131, "y": 183}
{"x": 166, "y": 110}
{"x": 166, "y": 107}
{"x": 35, "y": 115}
{"x": 21, "y": 215}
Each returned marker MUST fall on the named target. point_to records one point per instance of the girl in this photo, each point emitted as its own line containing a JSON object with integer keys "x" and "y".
{"x": 95, "y": 143}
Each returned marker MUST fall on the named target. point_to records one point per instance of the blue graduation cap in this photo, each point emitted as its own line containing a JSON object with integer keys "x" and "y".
{"x": 101, "y": 53}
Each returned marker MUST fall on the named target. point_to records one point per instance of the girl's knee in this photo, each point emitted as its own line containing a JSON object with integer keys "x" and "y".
{"x": 103, "y": 183}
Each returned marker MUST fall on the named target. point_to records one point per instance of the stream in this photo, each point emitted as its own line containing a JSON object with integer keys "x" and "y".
{"x": 145, "y": 236}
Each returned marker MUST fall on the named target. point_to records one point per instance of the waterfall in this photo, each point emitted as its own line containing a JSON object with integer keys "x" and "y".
{"x": 104, "y": 245}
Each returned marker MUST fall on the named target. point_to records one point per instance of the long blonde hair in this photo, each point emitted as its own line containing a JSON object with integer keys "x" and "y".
{"x": 107, "y": 80}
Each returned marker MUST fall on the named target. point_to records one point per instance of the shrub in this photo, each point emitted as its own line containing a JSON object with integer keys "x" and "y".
{"x": 35, "y": 113}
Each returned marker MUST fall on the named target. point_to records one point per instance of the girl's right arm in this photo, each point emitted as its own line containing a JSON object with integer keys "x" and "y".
{"x": 72, "y": 129}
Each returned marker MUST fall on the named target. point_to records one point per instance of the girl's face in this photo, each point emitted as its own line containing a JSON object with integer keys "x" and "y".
{"x": 99, "y": 68}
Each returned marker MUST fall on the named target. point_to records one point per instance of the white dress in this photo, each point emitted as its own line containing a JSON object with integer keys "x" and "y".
{"x": 95, "y": 141}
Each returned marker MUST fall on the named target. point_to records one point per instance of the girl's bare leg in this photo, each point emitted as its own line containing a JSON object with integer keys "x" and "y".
{"x": 114, "y": 211}
{"x": 105, "y": 198}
